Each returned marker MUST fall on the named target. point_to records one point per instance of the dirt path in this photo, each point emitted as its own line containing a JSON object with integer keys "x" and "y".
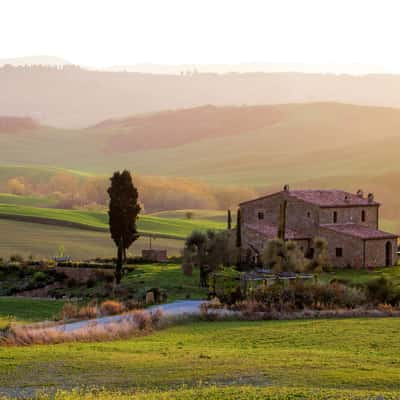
{"x": 176, "y": 308}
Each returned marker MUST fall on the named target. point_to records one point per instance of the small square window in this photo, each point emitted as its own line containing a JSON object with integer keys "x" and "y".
{"x": 260, "y": 215}
{"x": 339, "y": 252}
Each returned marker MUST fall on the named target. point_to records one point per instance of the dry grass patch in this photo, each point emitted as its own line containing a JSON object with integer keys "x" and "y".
{"x": 134, "y": 323}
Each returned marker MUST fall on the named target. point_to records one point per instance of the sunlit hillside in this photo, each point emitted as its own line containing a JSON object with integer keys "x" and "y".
{"x": 320, "y": 145}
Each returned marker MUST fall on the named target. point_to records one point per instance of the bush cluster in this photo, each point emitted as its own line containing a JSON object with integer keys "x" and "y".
{"x": 299, "y": 295}
{"x": 16, "y": 278}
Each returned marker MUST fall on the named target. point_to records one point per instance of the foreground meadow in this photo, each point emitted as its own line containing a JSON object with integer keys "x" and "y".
{"x": 337, "y": 356}
{"x": 26, "y": 310}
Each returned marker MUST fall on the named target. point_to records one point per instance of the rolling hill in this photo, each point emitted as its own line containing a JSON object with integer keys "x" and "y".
{"x": 74, "y": 97}
{"x": 43, "y": 241}
{"x": 316, "y": 145}
{"x": 174, "y": 228}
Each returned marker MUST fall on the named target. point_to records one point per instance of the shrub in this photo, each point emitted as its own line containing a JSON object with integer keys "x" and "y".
{"x": 320, "y": 261}
{"x": 68, "y": 311}
{"x": 16, "y": 258}
{"x": 88, "y": 312}
{"x": 299, "y": 296}
{"x": 111, "y": 307}
{"x": 39, "y": 277}
{"x": 132, "y": 304}
{"x": 283, "y": 256}
{"x": 353, "y": 297}
{"x": 143, "y": 319}
{"x": 382, "y": 290}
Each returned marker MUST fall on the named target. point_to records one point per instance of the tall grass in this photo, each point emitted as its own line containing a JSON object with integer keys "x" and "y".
{"x": 134, "y": 323}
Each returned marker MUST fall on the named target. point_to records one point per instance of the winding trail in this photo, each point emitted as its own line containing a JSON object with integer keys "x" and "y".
{"x": 177, "y": 308}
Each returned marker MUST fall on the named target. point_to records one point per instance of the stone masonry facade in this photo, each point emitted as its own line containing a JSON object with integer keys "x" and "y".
{"x": 349, "y": 222}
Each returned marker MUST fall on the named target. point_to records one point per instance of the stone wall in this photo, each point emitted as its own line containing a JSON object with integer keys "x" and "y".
{"x": 300, "y": 216}
{"x": 259, "y": 241}
{"x": 352, "y": 249}
{"x": 350, "y": 214}
{"x": 375, "y": 252}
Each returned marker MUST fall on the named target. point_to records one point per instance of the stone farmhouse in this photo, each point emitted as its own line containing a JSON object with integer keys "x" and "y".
{"x": 349, "y": 222}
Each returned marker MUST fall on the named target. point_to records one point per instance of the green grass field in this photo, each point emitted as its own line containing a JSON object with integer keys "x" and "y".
{"x": 27, "y": 310}
{"x": 363, "y": 276}
{"x": 238, "y": 392}
{"x": 168, "y": 277}
{"x": 210, "y": 215}
{"x": 31, "y": 201}
{"x": 43, "y": 241}
{"x": 234, "y": 359}
{"x": 149, "y": 224}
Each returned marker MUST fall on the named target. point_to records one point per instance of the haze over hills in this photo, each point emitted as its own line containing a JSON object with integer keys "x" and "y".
{"x": 34, "y": 60}
{"x": 319, "y": 145}
{"x": 251, "y": 67}
{"x": 75, "y": 97}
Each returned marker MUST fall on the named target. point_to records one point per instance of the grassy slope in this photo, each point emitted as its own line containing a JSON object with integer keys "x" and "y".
{"x": 330, "y": 354}
{"x": 238, "y": 392}
{"x": 320, "y": 145}
{"x": 27, "y": 310}
{"x": 34, "y": 173}
{"x": 43, "y": 241}
{"x": 363, "y": 276}
{"x": 320, "y": 140}
{"x": 210, "y": 215}
{"x": 174, "y": 227}
{"x": 31, "y": 201}
{"x": 166, "y": 276}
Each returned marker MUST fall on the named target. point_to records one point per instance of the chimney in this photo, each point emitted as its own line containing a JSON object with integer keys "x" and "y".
{"x": 286, "y": 188}
{"x": 360, "y": 193}
{"x": 370, "y": 197}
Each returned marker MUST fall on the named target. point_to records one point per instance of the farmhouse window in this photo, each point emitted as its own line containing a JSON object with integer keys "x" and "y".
{"x": 334, "y": 217}
{"x": 260, "y": 215}
{"x": 308, "y": 214}
{"x": 363, "y": 216}
{"x": 339, "y": 252}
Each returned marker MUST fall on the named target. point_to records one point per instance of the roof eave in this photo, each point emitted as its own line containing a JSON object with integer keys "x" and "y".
{"x": 349, "y": 205}
{"x": 259, "y": 198}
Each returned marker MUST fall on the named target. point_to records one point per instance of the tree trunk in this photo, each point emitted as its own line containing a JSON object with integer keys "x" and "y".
{"x": 120, "y": 262}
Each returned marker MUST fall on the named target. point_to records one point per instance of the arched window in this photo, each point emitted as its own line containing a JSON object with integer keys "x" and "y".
{"x": 363, "y": 216}
{"x": 334, "y": 217}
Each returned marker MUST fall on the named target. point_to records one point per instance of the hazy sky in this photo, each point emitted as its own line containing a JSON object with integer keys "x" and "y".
{"x": 103, "y": 33}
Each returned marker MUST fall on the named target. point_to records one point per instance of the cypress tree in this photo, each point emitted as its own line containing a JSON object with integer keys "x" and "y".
{"x": 229, "y": 219}
{"x": 238, "y": 229}
{"x": 123, "y": 212}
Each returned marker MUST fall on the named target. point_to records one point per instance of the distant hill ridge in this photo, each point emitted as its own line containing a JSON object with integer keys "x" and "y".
{"x": 76, "y": 97}
{"x": 17, "y": 124}
{"x": 34, "y": 60}
{"x": 175, "y": 128}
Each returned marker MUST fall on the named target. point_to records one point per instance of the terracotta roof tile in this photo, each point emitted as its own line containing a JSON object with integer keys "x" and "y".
{"x": 331, "y": 198}
{"x": 359, "y": 231}
{"x": 323, "y": 198}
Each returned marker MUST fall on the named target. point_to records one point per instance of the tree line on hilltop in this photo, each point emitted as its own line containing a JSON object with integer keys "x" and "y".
{"x": 156, "y": 193}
